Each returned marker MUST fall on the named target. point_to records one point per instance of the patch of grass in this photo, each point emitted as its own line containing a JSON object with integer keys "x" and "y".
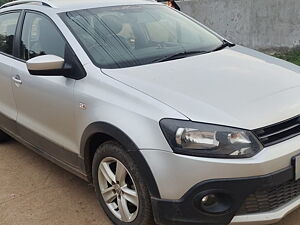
{"x": 4, "y": 1}
{"x": 291, "y": 56}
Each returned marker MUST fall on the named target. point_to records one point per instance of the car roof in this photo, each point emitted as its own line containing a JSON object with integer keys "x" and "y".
{"x": 69, "y": 5}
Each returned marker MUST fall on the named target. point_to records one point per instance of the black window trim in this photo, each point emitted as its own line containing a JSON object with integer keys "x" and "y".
{"x": 20, "y": 11}
{"x": 18, "y": 37}
{"x": 17, "y": 40}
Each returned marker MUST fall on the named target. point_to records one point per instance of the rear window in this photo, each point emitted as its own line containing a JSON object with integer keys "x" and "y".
{"x": 8, "y": 25}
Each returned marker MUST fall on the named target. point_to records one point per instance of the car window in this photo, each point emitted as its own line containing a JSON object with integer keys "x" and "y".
{"x": 126, "y": 36}
{"x": 8, "y": 25}
{"x": 40, "y": 37}
{"x": 161, "y": 32}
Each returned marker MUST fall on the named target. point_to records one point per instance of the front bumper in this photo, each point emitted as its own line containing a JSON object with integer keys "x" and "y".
{"x": 271, "y": 217}
{"x": 187, "y": 210}
{"x": 175, "y": 174}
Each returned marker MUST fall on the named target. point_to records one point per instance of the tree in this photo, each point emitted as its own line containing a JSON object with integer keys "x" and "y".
{"x": 4, "y": 1}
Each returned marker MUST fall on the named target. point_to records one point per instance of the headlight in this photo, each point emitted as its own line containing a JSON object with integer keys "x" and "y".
{"x": 207, "y": 140}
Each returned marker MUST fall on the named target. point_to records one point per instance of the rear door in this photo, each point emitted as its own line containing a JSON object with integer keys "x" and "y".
{"x": 8, "y": 111}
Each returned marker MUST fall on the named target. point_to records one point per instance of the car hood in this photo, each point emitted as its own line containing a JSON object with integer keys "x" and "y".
{"x": 235, "y": 87}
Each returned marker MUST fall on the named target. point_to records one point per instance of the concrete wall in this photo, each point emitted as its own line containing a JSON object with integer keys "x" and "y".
{"x": 259, "y": 24}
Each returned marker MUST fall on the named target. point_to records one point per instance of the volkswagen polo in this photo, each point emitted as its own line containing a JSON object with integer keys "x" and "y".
{"x": 170, "y": 122}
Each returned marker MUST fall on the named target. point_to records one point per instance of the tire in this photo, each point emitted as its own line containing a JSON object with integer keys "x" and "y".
{"x": 3, "y": 136}
{"x": 137, "y": 211}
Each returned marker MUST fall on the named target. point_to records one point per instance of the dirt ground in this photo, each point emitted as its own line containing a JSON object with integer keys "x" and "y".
{"x": 34, "y": 191}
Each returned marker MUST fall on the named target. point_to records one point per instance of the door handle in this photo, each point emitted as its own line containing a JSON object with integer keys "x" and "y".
{"x": 17, "y": 80}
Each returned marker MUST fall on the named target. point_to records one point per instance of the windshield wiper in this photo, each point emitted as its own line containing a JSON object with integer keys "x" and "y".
{"x": 224, "y": 45}
{"x": 184, "y": 54}
{"x": 178, "y": 55}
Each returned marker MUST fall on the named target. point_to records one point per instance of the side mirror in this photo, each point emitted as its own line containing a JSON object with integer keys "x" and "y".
{"x": 47, "y": 65}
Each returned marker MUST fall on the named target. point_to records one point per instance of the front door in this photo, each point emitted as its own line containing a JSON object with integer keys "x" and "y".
{"x": 45, "y": 103}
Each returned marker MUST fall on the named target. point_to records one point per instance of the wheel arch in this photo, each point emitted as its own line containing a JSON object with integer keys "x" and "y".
{"x": 100, "y": 132}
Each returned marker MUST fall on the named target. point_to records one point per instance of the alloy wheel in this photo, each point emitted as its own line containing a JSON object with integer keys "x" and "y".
{"x": 118, "y": 189}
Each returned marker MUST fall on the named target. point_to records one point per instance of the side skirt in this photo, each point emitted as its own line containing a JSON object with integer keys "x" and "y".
{"x": 72, "y": 162}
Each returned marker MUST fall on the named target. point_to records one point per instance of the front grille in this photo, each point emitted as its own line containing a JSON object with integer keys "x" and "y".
{"x": 279, "y": 132}
{"x": 267, "y": 199}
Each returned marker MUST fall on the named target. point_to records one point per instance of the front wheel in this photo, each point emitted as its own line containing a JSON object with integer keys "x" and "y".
{"x": 120, "y": 188}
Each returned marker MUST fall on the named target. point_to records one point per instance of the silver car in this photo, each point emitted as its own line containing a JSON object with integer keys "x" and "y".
{"x": 170, "y": 122}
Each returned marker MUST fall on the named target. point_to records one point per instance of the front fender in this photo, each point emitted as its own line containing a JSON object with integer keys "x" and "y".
{"x": 103, "y": 128}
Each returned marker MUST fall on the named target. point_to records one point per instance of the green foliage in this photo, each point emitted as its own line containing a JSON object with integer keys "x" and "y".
{"x": 4, "y": 1}
{"x": 291, "y": 56}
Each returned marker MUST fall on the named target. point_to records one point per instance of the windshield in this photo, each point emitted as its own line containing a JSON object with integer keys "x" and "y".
{"x": 127, "y": 36}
